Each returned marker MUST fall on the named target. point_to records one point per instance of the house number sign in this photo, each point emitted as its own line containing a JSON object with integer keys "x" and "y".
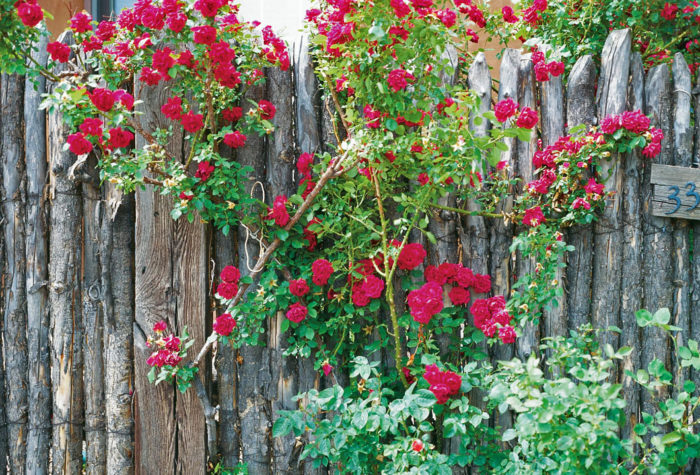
{"x": 676, "y": 192}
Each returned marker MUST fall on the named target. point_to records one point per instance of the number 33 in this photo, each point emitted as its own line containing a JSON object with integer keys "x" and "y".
{"x": 691, "y": 192}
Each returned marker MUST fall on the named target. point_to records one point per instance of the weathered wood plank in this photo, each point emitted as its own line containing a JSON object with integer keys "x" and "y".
{"x": 501, "y": 267}
{"x": 308, "y": 135}
{"x": 281, "y": 159}
{"x": 682, "y": 156}
{"x": 14, "y": 331}
{"x": 552, "y": 120}
{"x": 607, "y": 260}
{"x": 64, "y": 301}
{"x": 254, "y": 376}
{"x": 39, "y": 430}
{"x": 658, "y": 232}
{"x": 632, "y": 294}
{"x": 695, "y": 281}
{"x": 528, "y": 342}
{"x": 672, "y": 185}
{"x": 117, "y": 280}
{"x": 91, "y": 290}
{"x": 155, "y": 431}
{"x": 580, "y": 110}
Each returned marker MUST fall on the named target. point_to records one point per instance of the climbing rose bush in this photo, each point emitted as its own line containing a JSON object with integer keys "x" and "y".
{"x": 354, "y": 279}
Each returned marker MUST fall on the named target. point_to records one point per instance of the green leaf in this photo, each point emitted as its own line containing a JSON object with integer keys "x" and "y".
{"x": 662, "y": 316}
{"x": 282, "y": 427}
{"x": 509, "y": 435}
{"x": 644, "y": 317}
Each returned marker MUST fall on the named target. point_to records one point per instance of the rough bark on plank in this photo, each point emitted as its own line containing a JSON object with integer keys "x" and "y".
{"x": 254, "y": 376}
{"x": 155, "y": 426}
{"x": 658, "y": 232}
{"x": 226, "y": 367}
{"x": 3, "y": 419}
{"x": 500, "y": 233}
{"x": 64, "y": 301}
{"x": 93, "y": 372}
{"x": 528, "y": 342}
{"x": 695, "y": 282}
{"x": 552, "y": 120}
{"x": 580, "y": 110}
{"x": 607, "y": 259}
{"x": 632, "y": 286}
{"x": 14, "y": 196}
{"x": 682, "y": 156}
{"x": 308, "y": 135}
{"x": 281, "y": 160}
{"x": 117, "y": 280}
{"x": 39, "y": 430}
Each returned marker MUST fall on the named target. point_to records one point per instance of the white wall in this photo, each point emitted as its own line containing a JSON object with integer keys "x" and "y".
{"x": 285, "y": 16}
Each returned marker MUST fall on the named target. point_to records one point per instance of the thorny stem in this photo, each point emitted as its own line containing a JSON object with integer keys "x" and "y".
{"x": 475, "y": 213}
{"x": 389, "y": 284}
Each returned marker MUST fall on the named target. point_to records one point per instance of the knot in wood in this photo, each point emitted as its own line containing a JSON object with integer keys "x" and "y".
{"x": 287, "y": 155}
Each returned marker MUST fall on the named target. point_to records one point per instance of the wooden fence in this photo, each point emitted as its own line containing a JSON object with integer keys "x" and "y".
{"x": 87, "y": 272}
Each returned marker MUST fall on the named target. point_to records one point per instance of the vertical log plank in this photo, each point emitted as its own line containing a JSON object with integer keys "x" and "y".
{"x": 500, "y": 233}
{"x": 117, "y": 280}
{"x": 254, "y": 371}
{"x": 632, "y": 286}
{"x": 528, "y": 342}
{"x": 93, "y": 372}
{"x": 552, "y": 105}
{"x": 658, "y": 232}
{"x": 281, "y": 160}
{"x": 695, "y": 283}
{"x": 308, "y": 134}
{"x": 580, "y": 109}
{"x": 607, "y": 259}
{"x": 64, "y": 301}
{"x": 682, "y": 156}
{"x": 39, "y": 430}
{"x": 14, "y": 195}
{"x": 3, "y": 416}
{"x": 155, "y": 431}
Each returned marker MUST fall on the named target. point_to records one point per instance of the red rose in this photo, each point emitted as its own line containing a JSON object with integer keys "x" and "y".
{"x": 279, "y": 211}
{"x": 92, "y": 126}
{"x": 232, "y": 114}
{"x": 398, "y": 79}
{"x": 153, "y": 17}
{"x": 425, "y": 302}
{"x": 235, "y": 139}
{"x": 103, "y": 99}
{"x": 160, "y": 327}
{"x": 481, "y": 283}
{"x": 322, "y": 270}
{"x": 533, "y": 217}
{"x": 192, "y": 122}
{"x": 459, "y": 296}
{"x": 149, "y": 76}
{"x": 401, "y": 9}
{"x": 162, "y": 61}
{"x": 230, "y": 274}
{"x": 172, "y": 109}
{"x": 227, "y": 75}
{"x": 204, "y": 35}
{"x": 176, "y": 21}
{"x": 80, "y": 23}
{"x": 480, "y": 310}
{"x": 78, "y": 144}
{"x": 267, "y": 110}
{"x": 556, "y": 68}
{"x": 297, "y": 313}
{"x": 208, "y": 8}
{"x": 433, "y": 274}
{"x": 372, "y": 286}
{"x": 119, "y": 138}
{"x": 669, "y": 11}
{"x": 507, "y": 334}
{"x": 204, "y": 170}
{"x": 417, "y": 445}
{"x": 505, "y": 109}
{"x": 172, "y": 343}
{"x": 527, "y": 118}
{"x": 508, "y": 15}
{"x": 221, "y": 53}
{"x": 30, "y": 14}
{"x": 411, "y": 256}
{"x": 304, "y": 163}
{"x": 327, "y": 368}
{"x": 124, "y": 98}
{"x": 227, "y": 290}
{"x": 58, "y": 51}
{"x": 447, "y": 16}
{"x": 224, "y": 324}
{"x": 541, "y": 72}
{"x": 298, "y": 287}
{"x": 359, "y": 297}
{"x": 106, "y": 30}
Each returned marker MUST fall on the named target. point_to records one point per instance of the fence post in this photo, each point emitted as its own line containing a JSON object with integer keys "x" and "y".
{"x": 39, "y": 430}
{"x": 658, "y": 232}
{"x": 695, "y": 281}
{"x": 64, "y": 301}
{"x": 607, "y": 258}
{"x": 632, "y": 292}
{"x": 580, "y": 110}
{"x": 14, "y": 197}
